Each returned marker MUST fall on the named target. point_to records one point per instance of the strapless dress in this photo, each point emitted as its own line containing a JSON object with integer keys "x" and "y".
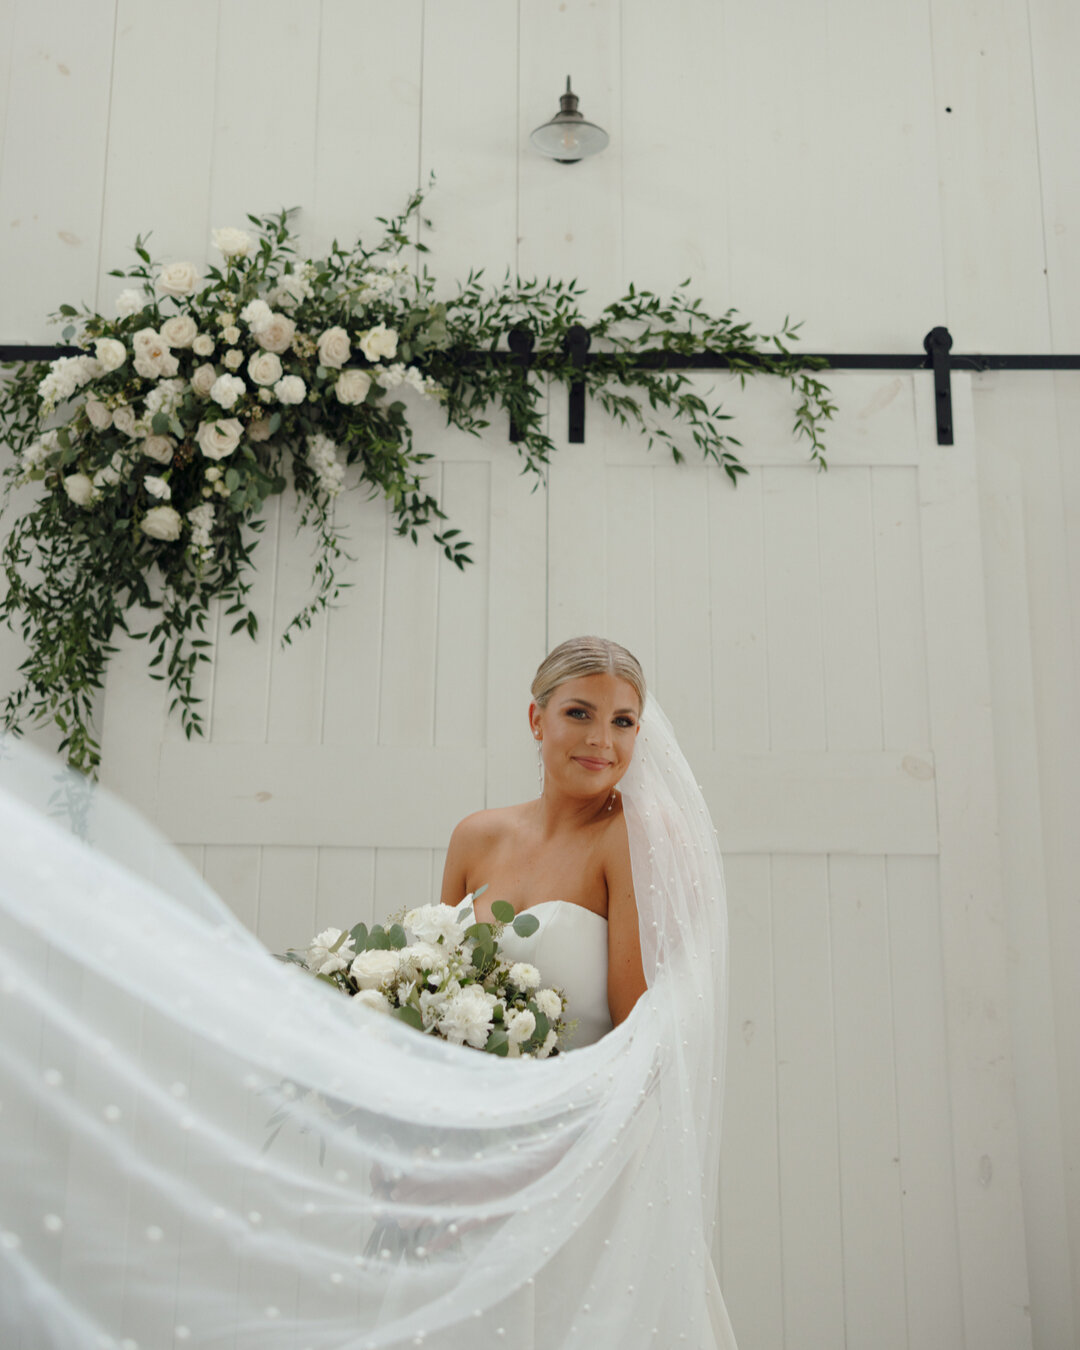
{"x": 570, "y": 951}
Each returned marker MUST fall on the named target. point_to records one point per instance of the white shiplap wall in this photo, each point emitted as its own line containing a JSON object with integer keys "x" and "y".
{"x": 786, "y": 156}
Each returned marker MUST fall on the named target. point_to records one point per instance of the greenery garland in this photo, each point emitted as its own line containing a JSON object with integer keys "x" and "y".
{"x": 205, "y": 395}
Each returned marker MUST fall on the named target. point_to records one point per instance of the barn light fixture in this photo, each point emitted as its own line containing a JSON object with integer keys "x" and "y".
{"x": 568, "y": 137}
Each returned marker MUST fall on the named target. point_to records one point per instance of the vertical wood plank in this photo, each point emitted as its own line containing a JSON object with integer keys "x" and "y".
{"x": 683, "y": 635}
{"x": 345, "y": 894}
{"x": 287, "y": 883}
{"x": 577, "y": 543}
{"x": 630, "y": 590}
{"x": 752, "y": 1273}
{"x": 738, "y": 607}
{"x": 849, "y": 611}
{"x": 813, "y": 1278}
{"x": 793, "y": 587}
{"x": 898, "y": 573}
{"x": 461, "y": 641}
{"x": 989, "y": 1208}
{"x": 935, "y": 1314}
{"x": 295, "y": 697}
{"x": 59, "y": 79}
{"x": 875, "y": 1313}
{"x": 233, "y": 873}
{"x": 402, "y": 880}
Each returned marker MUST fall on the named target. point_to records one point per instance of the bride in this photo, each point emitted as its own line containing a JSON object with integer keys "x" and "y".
{"x": 206, "y": 1147}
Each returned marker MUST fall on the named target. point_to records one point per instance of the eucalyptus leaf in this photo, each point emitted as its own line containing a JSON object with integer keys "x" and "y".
{"x": 378, "y": 939}
{"x": 502, "y": 910}
{"x": 498, "y": 1042}
{"x": 359, "y": 935}
{"x": 397, "y": 936}
{"x": 526, "y": 924}
{"x": 409, "y": 1015}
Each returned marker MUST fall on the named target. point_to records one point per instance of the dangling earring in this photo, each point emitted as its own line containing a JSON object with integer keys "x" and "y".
{"x": 540, "y": 765}
{"x": 611, "y": 803}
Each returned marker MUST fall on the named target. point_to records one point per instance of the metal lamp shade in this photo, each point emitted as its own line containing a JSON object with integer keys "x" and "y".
{"x": 568, "y": 138}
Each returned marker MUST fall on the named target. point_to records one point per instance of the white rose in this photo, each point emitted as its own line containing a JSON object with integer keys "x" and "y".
{"x": 429, "y": 923}
{"x": 129, "y": 302}
{"x": 290, "y": 389}
{"x": 79, "y": 488}
{"x": 467, "y": 1016}
{"x": 352, "y": 386}
{"x": 334, "y": 349}
{"x": 179, "y": 331}
{"x": 111, "y": 353}
{"x": 255, "y": 313}
{"x": 203, "y": 379}
{"x": 219, "y": 439}
{"x": 520, "y": 1026}
{"x": 524, "y": 975}
{"x": 371, "y": 998}
{"x": 100, "y": 417}
{"x": 157, "y": 487}
{"x": 230, "y": 333}
{"x": 318, "y": 952}
{"x": 165, "y": 397}
{"x": 162, "y": 522}
{"x": 378, "y": 342}
{"x": 370, "y": 969}
{"x": 233, "y": 243}
{"x": 227, "y": 389}
{"x": 234, "y": 359}
{"x": 158, "y": 448}
{"x": 124, "y": 418}
{"x": 276, "y": 334}
{"x": 177, "y": 278}
{"x": 549, "y": 1003}
{"x": 422, "y": 956}
{"x": 202, "y": 345}
{"x": 259, "y": 431}
{"x": 265, "y": 368}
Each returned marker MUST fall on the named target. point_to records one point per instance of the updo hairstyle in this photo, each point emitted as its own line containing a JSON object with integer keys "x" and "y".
{"x": 579, "y": 656}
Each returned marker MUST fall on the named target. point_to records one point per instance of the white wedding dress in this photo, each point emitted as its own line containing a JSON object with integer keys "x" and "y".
{"x": 570, "y": 951}
{"x": 205, "y": 1147}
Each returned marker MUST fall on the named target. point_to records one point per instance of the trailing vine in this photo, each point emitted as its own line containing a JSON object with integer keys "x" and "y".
{"x": 157, "y": 446}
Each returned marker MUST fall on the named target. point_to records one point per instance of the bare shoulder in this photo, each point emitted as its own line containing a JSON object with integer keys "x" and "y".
{"x": 484, "y": 827}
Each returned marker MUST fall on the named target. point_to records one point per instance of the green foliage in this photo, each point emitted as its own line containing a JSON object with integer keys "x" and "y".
{"x": 88, "y": 554}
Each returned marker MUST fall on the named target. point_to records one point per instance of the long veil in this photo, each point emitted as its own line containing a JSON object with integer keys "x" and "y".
{"x": 205, "y": 1147}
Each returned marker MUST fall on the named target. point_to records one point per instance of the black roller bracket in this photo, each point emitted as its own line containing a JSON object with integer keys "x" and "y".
{"x": 576, "y": 344}
{"x": 521, "y": 343}
{"x": 938, "y": 345}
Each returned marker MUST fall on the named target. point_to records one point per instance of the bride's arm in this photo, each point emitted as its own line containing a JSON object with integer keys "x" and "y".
{"x": 456, "y": 867}
{"x": 626, "y": 977}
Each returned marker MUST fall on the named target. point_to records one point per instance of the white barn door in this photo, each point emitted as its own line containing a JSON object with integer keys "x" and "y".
{"x": 819, "y": 642}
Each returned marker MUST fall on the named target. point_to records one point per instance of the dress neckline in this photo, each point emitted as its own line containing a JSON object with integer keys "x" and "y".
{"x": 541, "y": 903}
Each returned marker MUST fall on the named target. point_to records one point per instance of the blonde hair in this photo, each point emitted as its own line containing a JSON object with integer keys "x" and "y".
{"x": 586, "y": 656}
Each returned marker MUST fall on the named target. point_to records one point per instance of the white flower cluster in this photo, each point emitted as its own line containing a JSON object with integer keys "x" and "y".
{"x": 201, "y": 519}
{"x": 328, "y": 469}
{"x": 67, "y": 375}
{"x": 391, "y": 377}
{"x": 434, "y": 975}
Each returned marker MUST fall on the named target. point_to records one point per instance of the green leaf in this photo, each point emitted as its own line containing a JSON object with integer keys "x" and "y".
{"x": 160, "y": 424}
{"x": 378, "y": 939}
{"x": 68, "y": 309}
{"x": 397, "y": 937}
{"x": 526, "y": 924}
{"x": 410, "y": 1016}
{"x": 503, "y": 910}
{"x": 359, "y": 935}
{"x": 498, "y": 1043}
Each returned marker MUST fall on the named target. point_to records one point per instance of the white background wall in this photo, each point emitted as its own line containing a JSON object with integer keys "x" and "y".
{"x": 876, "y": 168}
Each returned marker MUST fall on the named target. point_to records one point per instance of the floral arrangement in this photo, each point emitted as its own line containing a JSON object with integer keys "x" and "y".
{"x": 444, "y": 979}
{"x": 158, "y": 444}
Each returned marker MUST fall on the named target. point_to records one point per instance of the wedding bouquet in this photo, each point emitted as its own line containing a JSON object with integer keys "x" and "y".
{"x": 445, "y": 979}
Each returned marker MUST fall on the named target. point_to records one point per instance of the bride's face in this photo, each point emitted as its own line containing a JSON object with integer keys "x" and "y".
{"x": 587, "y": 733}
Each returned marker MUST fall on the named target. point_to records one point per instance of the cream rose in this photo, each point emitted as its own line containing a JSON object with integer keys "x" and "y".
{"x": 219, "y": 439}
{"x": 276, "y": 334}
{"x": 99, "y": 416}
{"x": 129, "y": 302}
{"x": 124, "y": 418}
{"x": 230, "y": 333}
{"x": 255, "y": 313}
{"x": 202, "y": 345}
{"x": 111, "y": 353}
{"x": 227, "y": 389}
{"x": 233, "y": 243}
{"x": 370, "y": 969}
{"x": 234, "y": 359}
{"x": 79, "y": 488}
{"x": 177, "y": 278}
{"x": 371, "y": 998}
{"x": 352, "y": 386}
{"x": 179, "y": 331}
{"x": 378, "y": 342}
{"x": 290, "y": 389}
{"x": 158, "y": 448}
{"x": 203, "y": 379}
{"x": 162, "y": 522}
{"x": 157, "y": 487}
{"x": 265, "y": 368}
{"x": 334, "y": 349}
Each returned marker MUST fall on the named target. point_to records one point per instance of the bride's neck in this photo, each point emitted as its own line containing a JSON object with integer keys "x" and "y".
{"x": 558, "y": 811}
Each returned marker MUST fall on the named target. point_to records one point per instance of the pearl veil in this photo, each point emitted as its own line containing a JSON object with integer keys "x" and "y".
{"x": 205, "y": 1147}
